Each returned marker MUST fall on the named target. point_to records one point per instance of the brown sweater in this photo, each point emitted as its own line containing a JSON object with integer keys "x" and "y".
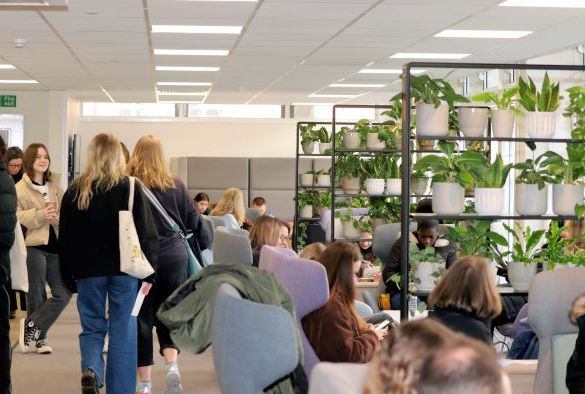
{"x": 333, "y": 332}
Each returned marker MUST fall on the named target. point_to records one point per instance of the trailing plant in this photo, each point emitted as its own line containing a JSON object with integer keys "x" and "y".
{"x": 302, "y": 235}
{"x": 362, "y": 127}
{"x": 323, "y": 135}
{"x": 555, "y": 251}
{"x": 525, "y": 247}
{"x": 427, "y": 254}
{"x": 487, "y": 175}
{"x": 532, "y": 172}
{"x": 387, "y": 208}
{"x": 347, "y": 165}
{"x": 307, "y": 197}
{"x": 448, "y": 168}
{"x": 477, "y": 239}
{"x": 365, "y": 224}
{"x": 503, "y": 101}
{"x": 308, "y": 133}
{"x": 325, "y": 199}
{"x": 547, "y": 100}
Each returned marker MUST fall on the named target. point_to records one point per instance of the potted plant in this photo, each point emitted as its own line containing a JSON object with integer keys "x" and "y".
{"x": 540, "y": 106}
{"x": 523, "y": 255}
{"x": 307, "y": 199}
{"x": 567, "y": 190}
{"x": 419, "y": 182}
{"x": 308, "y": 178}
{"x": 384, "y": 210}
{"x": 490, "y": 180}
{"x": 323, "y": 177}
{"x": 531, "y": 191}
{"x": 477, "y": 239}
{"x": 347, "y": 168}
{"x": 308, "y": 137}
{"x": 377, "y": 137}
{"x": 324, "y": 139}
{"x": 450, "y": 178}
{"x": 350, "y": 227}
{"x": 393, "y": 181}
{"x": 473, "y": 121}
{"x": 555, "y": 252}
{"x": 394, "y": 123}
{"x": 427, "y": 267}
{"x": 504, "y": 114}
{"x": 373, "y": 169}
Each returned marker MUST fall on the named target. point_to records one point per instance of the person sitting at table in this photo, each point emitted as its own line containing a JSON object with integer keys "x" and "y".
{"x": 426, "y": 234}
{"x": 466, "y": 298}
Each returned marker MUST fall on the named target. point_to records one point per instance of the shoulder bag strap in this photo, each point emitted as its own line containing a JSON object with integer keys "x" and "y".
{"x": 131, "y": 194}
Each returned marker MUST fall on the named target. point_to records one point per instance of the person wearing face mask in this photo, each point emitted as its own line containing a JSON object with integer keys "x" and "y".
{"x": 426, "y": 235}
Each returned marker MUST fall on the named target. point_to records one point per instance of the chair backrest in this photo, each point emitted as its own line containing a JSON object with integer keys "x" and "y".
{"x": 371, "y": 301}
{"x": 550, "y": 296}
{"x": 363, "y": 310}
{"x": 218, "y": 221}
{"x": 252, "y": 214}
{"x": 236, "y": 231}
{"x": 385, "y": 236}
{"x": 208, "y": 224}
{"x": 253, "y": 344}
{"x": 230, "y": 248}
{"x": 307, "y": 283}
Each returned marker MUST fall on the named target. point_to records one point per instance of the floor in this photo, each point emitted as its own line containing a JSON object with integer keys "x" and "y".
{"x": 59, "y": 371}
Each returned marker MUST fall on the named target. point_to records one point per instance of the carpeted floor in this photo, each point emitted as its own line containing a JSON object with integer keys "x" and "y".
{"x": 59, "y": 372}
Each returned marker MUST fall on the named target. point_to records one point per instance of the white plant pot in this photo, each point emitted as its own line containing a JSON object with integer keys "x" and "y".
{"x": 338, "y": 230}
{"x": 375, "y": 186}
{"x": 306, "y": 179}
{"x": 565, "y": 197}
{"x": 351, "y": 185}
{"x": 489, "y": 201}
{"x": 502, "y": 123}
{"x": 540, "y": 124}
{"x": 431, "y": 121}
{"x": 473, "y": 121}
{"x": 323, "y": 146}
{"x": 530, "y": 200}
{"x": 306, "y": 212}
{"x": 308, "y": 148}
{"x": 349, "y": 231}
{"x": 424, "y": 272}
{"x": 351, "y": 140}
{"x": 419, "y": 186}
{"x": 448, "y": 198}
{"x": 324, "y": 180}
{"x": 373, "y": 143}
{"x": 394, "y": 186}
{"x": 519, "y": 275}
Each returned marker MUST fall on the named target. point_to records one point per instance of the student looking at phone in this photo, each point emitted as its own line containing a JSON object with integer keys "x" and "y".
{"x": 335, "y": 330}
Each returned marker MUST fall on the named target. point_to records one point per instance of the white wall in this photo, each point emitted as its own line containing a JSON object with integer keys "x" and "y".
{"x": 198, "y": 137}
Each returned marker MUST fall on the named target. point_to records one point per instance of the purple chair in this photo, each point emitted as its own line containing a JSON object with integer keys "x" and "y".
{"x": 306, "y": 281}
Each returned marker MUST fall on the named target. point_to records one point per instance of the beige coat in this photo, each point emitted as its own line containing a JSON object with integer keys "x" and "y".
{"x": 31, "y": 209}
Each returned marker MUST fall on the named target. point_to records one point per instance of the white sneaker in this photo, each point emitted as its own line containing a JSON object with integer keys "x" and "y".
{"x": 43, "y": 347}
{"x": 173, "y": 379}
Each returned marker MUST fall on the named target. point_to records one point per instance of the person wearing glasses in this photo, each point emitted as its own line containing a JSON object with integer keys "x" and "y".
{"x": 268, "y": 231}
{"x": 13, "y": 160}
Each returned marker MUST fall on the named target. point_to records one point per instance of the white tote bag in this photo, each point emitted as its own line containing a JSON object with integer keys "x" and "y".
{"x": 18, "y": 270}
{"x": 132, "y": 260}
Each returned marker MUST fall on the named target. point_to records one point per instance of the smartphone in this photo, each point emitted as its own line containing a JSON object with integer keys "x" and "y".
{"x": 382, "y": 325}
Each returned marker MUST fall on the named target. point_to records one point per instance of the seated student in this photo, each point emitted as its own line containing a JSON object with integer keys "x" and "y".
{"x": 466, "y": 298}
{"x": 575, "y": 379}
{"x": 231, "y": 207}
{"x": 335, "y": 331}
{"x": 259, "y": 203}
{"x": 312, "y": 251}
{"x": 268, "y": 231}
{"x": 463, "y": 367}
{"x": 201, "y": 201}
{"x": 426, "y": 235}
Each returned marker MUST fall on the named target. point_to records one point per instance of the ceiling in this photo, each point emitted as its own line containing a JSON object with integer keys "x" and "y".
{"x": 103, "y": 50}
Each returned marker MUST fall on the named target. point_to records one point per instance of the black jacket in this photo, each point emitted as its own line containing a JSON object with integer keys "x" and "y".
{"x": 7, "y": 221}
{"x": 575, "y": 379}
{"x": 88, "y": 239}
{"x": 465, "y": 323}
{"x": 448, "y": 253}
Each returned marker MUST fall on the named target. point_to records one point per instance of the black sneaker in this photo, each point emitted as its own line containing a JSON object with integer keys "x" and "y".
{"x": 43, "y": 346}
{"x": 89, "y": 382}
{"x": 28, "y": 333}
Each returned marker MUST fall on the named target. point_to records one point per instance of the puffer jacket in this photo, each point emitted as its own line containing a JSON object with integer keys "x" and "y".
{"x": 7, "y": 221}
{"x": 31, "y": 209}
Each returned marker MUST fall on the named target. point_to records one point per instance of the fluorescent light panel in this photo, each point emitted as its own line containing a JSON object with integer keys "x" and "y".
{"x": 333, "y": 95}
{"x": 181, "y": 68}
{"x": 420, "y": 55}
{"x": 544, "y": 3}
{"x": 483, "y": 33}
{"x": 253, "y": 1}
{"x": 357, "y": 85}
{"x": 196, "y": 29}
{"x": 387, "y": 71}
{"x": 18, "y": 81}
{"x": 179, "y": 101}
{"x": 6, "y": 67}
{"x": 191, "y": 52}
{"x": 183, "y": 83}
{"x": 313, "y": 104}
{"x": 166, "y": 93}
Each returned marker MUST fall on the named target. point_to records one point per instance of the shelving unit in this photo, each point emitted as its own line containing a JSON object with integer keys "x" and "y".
{"x": 406, "y": 156}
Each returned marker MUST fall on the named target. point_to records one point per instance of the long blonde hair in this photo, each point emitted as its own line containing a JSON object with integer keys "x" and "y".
{"x": 106, "y": 167}
{"x": 148, "y": 164}
{"x": 231, "y": 202}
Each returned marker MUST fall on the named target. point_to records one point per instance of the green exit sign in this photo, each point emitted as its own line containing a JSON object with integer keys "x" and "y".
{"x": 7, "y": 101}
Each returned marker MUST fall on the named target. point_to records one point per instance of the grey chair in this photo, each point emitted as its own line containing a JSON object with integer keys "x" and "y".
{"x": 550, "y": 296}
{"x": 217, "y": 221}
{"x": 253, "y": 344}
{"x": 230, "y": 248}
{"x": 208, "y": 224}
{"x": 207, "y": 254}
{"x": 252, "y": 214}
{"x": 236, "y": 231}
{"x": 362, "y": 309}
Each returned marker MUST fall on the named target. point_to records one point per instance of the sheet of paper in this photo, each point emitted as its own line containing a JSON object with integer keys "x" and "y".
{"x": 139, "y": 300}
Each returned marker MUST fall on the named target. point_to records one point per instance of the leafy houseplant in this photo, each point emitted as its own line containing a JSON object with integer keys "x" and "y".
{"x": 523, "y": 255}
{"x": 531, "y": 192}
{"x": 565, "y": 174}
{"x": 385, "y": 209}
{"x": 308, "y": 178}
{"x": 540, "y": 119}
{"x": 350, "y": 224}
{"x": 490, "y": 180}
{"x": 378, "y": 138}
{"x": 324, "y": 139}
{"x": 503, "y": 115}
{"x": 373, "y": 170}
{"x": 427, "y": 267}
{"x": 347, "y": 169}
{"x": 307, "y": 199}
{"x": 555, "y": 251}
{"x": 308, "y": 137}
{"x": 393, "y": 181}
{"x": 419, "y": 182}
{"x": 323, "y": 177}
{"x": 477, "y": 239}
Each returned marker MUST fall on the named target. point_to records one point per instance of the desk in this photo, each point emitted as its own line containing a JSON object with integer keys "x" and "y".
{"x": 372, "y": 287}
{"x": 502, "y": 289}
{"x": 521, "y": 373}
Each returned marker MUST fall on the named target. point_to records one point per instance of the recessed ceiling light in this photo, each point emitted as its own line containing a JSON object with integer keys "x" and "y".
{"x": 184, "y": 83}
{"x": 544, "y": 3}
{"x": 180, "y": 101}
{"x": 179, "y": 68}
{"x": 18, "y": 81}
{"x": 483, "y": 33}
{"x": 416, "y": 55}
{"x": 6, "y": 67}
{"x": 323, "y": 104}
{"x": 166, "y": 93}
{"x": 191, "y": 52}
{"x": 357, "y": 85}
{"x": 196, "y": 29}
{"x": 333, "y": 95}
{"x": 387, "y": 71}
{"x": 221, "y": 0}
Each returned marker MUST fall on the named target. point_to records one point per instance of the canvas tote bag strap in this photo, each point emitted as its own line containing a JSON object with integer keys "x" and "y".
{"x": 131, "y": 194}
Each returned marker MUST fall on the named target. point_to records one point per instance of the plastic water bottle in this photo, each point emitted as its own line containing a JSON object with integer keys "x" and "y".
{"x": 412, "y": 304}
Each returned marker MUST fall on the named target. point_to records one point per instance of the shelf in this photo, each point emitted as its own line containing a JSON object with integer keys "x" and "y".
{"x": 368, "y": 151}
{"x": 313, "y": 155}
{"x": 354, "y": 239}
{"x": 314, "y": 187}
{"x": 474, "y": 216}
{"x": 503, "y": 139}
{"x": 309, "y": 219}
{"x": 364, "y": 195}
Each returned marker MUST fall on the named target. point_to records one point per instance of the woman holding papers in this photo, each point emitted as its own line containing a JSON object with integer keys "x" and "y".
{"x": 90, "y": 263}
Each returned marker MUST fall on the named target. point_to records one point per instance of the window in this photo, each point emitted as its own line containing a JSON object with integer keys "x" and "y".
{"x": 235, "y": 111}
{"x": 128, "y": 109}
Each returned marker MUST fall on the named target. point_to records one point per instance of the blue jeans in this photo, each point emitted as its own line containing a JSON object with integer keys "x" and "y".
{"x": 524, "y": 346}
{"x": 121, "y": 292}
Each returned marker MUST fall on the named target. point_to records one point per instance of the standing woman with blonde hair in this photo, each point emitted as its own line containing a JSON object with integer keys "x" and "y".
{"x": 90, "y": 264}
{"x": 231, "y": 206}
{"x": 39, "y": 199}
{"x": 147, "y": 164}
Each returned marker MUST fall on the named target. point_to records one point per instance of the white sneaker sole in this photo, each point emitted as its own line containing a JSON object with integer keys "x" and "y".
{"x": 44, "y": 350}
{"x": 23, "y": 349}
{"x": 173, "y": 381}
